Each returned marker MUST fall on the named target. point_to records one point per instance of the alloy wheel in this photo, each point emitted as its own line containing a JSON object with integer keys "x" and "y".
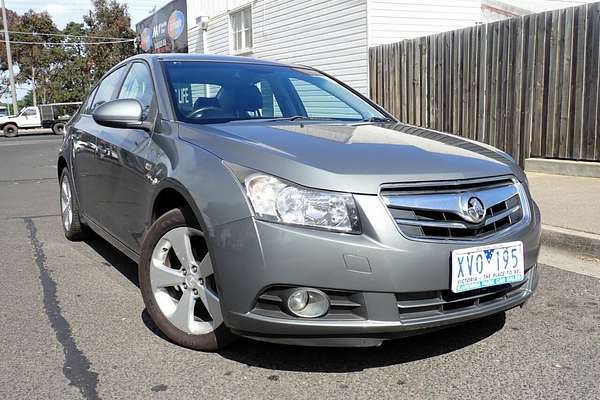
{"x": 182, "y": 281}
{"x": 66, "y": 203}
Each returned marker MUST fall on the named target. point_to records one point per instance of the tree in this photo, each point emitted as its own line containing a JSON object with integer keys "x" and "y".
{"x": 69, "y": 78}
{"x": 13, "y": 20}
{"x": 111, "y": 19}
{"x": 38, "y": 56}
{"x": 67, "y": 66}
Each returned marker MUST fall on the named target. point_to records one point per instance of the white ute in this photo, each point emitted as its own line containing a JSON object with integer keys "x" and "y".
{"x": 53, "y": 116}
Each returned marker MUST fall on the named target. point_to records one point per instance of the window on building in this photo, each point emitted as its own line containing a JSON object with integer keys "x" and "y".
{"x": 241, "y": 30}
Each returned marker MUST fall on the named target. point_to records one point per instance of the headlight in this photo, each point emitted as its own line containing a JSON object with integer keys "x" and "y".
{"x": 275, "y": 200}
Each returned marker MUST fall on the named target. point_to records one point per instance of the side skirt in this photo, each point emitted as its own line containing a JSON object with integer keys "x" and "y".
{"x": 104, "y": 234}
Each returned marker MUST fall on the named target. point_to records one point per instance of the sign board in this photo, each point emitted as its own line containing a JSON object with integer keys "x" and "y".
{"x": 165, "y": 31}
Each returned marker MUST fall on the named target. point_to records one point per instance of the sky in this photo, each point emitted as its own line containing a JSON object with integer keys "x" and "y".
{"x": 64, "y": 11}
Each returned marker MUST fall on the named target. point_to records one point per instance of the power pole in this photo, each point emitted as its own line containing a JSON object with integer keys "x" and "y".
{"x": 11, "y": 75}
{"x": 33, "y": 85}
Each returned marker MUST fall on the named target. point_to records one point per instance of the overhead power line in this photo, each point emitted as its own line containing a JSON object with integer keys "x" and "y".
{"x": 66, "y": 35}
{"x": 73, "y": 43}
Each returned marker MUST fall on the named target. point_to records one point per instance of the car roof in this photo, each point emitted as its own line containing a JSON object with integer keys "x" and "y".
{"x": 206, "y": 57}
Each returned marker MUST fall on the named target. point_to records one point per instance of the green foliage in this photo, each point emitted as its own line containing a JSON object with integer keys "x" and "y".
{"x": 109, "y": 18}
{"x": 66, "y": 73}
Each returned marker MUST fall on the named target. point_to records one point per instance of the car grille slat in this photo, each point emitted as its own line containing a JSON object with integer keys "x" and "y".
{"x": 413, "y": 306}
{"x": 434, "y": 210}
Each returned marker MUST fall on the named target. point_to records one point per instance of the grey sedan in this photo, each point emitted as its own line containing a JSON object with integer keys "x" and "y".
{"x": 274, "y": 202}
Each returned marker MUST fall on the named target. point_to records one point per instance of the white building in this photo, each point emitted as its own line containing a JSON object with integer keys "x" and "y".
{"x": 331, "y": 35}
{"x": 334, "y": 35}
{"x": 494, "y": 10}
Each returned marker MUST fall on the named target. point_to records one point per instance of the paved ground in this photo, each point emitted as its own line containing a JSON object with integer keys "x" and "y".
{"x": 73, "y": 325}
{"x": 568, "y": 201}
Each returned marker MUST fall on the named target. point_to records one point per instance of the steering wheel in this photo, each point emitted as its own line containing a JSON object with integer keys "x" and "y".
{"x": 199, "y": 113}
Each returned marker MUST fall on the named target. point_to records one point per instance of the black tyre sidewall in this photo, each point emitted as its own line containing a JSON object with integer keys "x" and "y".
{"x": 14, "y": 133}
{"x": 212, "y": 341}
{"x": 55, "y": 128}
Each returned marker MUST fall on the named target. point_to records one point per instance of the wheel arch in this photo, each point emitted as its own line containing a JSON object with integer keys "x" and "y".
{"x": 9, "y": 123}
{"x": 60, "y": 165}
{"x": 173, "y": 195}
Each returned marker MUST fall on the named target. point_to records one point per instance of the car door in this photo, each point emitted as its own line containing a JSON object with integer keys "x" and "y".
{"x": 83, "y": 156}
{"x": 85, "y": 133}
{"x": 29, "y": 118}
{"x": 124, "y": 165}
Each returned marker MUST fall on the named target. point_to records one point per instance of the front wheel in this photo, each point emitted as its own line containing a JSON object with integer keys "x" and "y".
{"x": 10, "y": 130}
{"x": 178, "y": 284}
{"x": 75, "y": 230}
{"x": 58, "y": 128}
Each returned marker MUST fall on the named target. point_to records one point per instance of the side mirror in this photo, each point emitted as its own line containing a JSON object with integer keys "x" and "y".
{"x": 121, "y": 113}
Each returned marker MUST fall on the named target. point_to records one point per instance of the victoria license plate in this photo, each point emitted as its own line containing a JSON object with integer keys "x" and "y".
{"x": 484, "y": 266}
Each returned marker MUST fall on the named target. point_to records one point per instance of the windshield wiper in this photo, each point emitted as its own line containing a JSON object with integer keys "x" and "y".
{"x": 303, "y": 117}
{"x": 378, "y": 119}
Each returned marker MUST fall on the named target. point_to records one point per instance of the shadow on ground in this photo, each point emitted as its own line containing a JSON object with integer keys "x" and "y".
{"x": 320, "y": 359}
{"x": 26, "y": 134}
{"x": 114, "y": 258}
{"x": 392, "y": 352}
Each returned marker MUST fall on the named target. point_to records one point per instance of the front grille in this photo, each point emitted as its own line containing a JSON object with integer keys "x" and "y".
{"x": 418, "y": 305}
{"x": 436, "y": 211}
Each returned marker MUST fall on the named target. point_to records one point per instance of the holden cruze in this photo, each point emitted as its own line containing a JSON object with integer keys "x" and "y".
{"x": 274, "y": 202}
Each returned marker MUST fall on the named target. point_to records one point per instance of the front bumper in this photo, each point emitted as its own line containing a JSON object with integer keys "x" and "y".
{"x": 372, "y": 332}
{"x": 380, "y": 270}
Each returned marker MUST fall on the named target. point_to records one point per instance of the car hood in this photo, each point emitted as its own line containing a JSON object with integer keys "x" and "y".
{"x": 355, "y": 158}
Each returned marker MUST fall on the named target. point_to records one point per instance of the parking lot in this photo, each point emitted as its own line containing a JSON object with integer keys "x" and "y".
{"x": 73, "y": 325}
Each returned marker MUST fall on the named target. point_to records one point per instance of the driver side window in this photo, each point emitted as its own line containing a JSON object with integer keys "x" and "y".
{"x": 138, "y": 85}
{"x": 107, "y": 88}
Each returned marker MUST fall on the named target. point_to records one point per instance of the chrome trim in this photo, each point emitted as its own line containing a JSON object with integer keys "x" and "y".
{"x": 458, "y": 225}
{"x": 450, "y": 202}
{"x": 517, "y": 185}
{"x": 460, "y": 182}
{"x": 503, "y": 214}
{"x": 434, "y": 224}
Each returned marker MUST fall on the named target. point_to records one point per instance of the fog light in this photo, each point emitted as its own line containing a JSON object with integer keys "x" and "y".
{"x": 307, "y": 303}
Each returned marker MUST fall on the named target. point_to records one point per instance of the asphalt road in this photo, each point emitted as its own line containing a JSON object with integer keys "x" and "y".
{"x": 73, "y": 325}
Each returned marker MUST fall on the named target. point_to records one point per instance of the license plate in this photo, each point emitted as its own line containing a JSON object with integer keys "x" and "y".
{"x": 484, "y": 266}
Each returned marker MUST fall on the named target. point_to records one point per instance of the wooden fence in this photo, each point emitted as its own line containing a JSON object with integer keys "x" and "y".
{"x": 528, "y": 85}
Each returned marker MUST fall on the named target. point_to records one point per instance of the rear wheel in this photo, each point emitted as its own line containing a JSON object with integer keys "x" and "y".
{"x": 178, "y": 284}
{"x": 58, "y": 128}
{"x": 73, "y": 227}
{"x": 10, "y": 130}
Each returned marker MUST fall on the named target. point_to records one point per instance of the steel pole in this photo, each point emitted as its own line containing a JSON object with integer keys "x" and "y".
{"x": 11, "y": 75}
{"x": 33, "y": 85}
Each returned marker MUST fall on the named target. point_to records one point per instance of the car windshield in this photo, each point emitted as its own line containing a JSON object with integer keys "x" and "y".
{"x": 213, "y": 92}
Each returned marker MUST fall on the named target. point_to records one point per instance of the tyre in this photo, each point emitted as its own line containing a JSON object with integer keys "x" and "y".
{"x": 10, "y": 130}
{"x": 58, "y": 128}
{"x": 74, "y": 229}
{"x": 178, "y": 283}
